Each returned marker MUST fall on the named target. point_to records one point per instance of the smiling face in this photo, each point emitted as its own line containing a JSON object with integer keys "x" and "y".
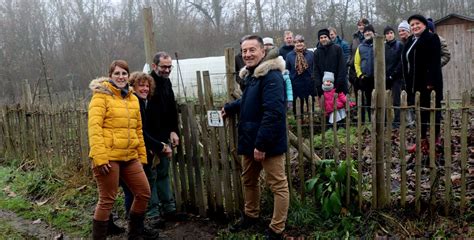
{"x": 299, "y": 45}
{"x": 120, "y": 77}
{"x": 417, "y": 27}
{"x": 142, "y": 88}
{"x": 368, "y": 35}
{"x": 404, "y": 34}
{"x": 324, "y": 40}
{"x": 252, "y": 52}
{"x": 332, "y": 35}
{"x": 360, "y": 27}
{"x": 164, "y": 67}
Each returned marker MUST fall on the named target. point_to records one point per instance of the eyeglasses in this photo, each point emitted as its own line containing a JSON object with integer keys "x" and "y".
{"x": 166, "y": 66}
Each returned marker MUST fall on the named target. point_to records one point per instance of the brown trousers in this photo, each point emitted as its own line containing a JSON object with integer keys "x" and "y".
{"x": 131, "y": 172}
{"x": 275, "y": 177}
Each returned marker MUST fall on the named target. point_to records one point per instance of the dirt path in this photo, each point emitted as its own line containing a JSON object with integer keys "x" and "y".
{"x": 195, "y": 229}
{"x": 28, "y": 228}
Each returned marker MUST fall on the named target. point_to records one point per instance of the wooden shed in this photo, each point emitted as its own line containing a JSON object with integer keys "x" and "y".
{"x": 458, "y": 74}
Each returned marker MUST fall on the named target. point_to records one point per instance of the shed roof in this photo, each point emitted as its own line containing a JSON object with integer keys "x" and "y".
{"x": 453, "y": 15}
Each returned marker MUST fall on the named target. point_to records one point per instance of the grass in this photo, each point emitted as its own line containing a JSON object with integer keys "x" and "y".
{"x": 329, "y": 138}
{"x": 42, "y": 194}
{"x": 9, "y": 231}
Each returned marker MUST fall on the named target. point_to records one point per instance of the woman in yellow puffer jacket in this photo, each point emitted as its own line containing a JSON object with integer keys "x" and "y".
{"x": 117, "y": 148}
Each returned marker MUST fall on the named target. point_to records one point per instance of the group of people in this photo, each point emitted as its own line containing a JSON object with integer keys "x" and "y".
{"x": 413, "y": 64}
{"x": 133, "y": 127}
{"x": 133, "y": 120}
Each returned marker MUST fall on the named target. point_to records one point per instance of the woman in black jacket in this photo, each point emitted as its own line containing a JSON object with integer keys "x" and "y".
{"x": 421, "y": 61}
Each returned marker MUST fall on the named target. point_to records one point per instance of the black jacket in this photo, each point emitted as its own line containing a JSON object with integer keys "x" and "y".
{"x": 422, "y": 66}
{"x": 161, "y": 111}
{"x": 330, "y": 58}
{"x": 150, "y": 142}
{"x": 393, "y": 61}
{"x": 262, "y": 109}
{"x": 285, "y": 49}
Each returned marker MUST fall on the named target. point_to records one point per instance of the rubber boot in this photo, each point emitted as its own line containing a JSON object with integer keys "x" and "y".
{"x": 99, "y": 229}
{"x": 136, "y": 228}
{"x": 113, "y": 229}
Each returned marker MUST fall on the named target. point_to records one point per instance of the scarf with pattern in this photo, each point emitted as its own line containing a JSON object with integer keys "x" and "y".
{"x": 301, "y": 64}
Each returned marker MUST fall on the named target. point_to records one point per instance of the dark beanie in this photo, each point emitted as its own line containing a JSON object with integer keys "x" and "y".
{"x": 323, "y": 31}
{"x": 388, "y": 29}
{"x": 418, "y": 17}
{"x": 431, "y": 26}
{"x": 369, "y": 28}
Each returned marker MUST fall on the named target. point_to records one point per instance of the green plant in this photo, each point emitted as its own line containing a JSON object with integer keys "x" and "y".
{"x": 302, "y": 213}
{"x": 329, "y": 185}
{"x": 329, "y": 137}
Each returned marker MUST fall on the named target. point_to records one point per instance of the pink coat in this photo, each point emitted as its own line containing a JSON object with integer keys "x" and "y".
{"x": 329, "y": 100}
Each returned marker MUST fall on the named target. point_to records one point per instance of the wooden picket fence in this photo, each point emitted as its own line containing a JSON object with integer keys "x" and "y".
{"x": 206, "y": 168}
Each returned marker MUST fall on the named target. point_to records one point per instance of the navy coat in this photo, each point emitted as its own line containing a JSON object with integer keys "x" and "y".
{"x": 262, "y": 109}
{"x": 303, "y": 84}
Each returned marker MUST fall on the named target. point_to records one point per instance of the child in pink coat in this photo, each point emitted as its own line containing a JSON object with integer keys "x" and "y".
{"x": 329, "y": 91}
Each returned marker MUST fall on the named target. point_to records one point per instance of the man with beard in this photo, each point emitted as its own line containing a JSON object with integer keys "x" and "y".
{"x": 328, "y": 57}
{"x": 162, "y": 116}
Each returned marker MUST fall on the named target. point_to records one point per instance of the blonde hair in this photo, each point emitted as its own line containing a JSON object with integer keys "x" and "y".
{"x": 139, "y": 77}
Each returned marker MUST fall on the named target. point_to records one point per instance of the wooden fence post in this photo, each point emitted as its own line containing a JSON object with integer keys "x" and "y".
{"x": 148, "y": 35}
{"x": 334, "y": 129}
{"x": 236, "y": 164}
{"x": 205, "y": 145}
{"x": 464, "y": 127}
{"x": 433, "y": 169}
{"x": 388, "y": 145}
{"x": 373, "y": 147}
{"x": 447, "y": 155}
{"x": 402, "y": 154}
{"x": 348, "y": 153}
{"x": 299, "y": 116}
{"x": 359, "y": 147}
{"x": 379, "y": 66}
{"x": 418, "y": 154}
{"x": 214, "y": 146}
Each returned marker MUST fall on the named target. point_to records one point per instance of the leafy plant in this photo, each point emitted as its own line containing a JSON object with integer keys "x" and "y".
{"x": 329, "y": 138}
{"x": 302, "y": 213}
{"x": 329, "y": 185}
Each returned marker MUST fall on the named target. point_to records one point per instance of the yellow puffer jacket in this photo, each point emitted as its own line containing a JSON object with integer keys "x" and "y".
{"x": 115, "y": 125}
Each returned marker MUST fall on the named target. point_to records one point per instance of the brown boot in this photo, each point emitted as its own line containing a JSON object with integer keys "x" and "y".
{"x": 113, "y": 229}
{"x": 136, "y": 228}
{"x": 99, "y": 229}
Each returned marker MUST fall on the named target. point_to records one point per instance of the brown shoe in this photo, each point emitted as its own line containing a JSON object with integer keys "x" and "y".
{"x": 99, "y": 229}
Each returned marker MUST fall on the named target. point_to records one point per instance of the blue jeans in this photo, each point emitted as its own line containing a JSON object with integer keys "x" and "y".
{"x": 161, "y": 200}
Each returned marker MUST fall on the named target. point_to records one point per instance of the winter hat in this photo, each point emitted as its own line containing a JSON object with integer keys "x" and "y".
{"x": 369, "y": 28}
{"x": 431, "y": 25}
{"x": 363, "y": 21}
{"x": 323, "y": 31}
{"x": 267, "y": 40}
{"x": 387, "y": 29}
{"x": 405, "y": 26}
{"x": 299, "y": 38}
{"x": 418, "y": 17}
{"x": 328, "y": 76}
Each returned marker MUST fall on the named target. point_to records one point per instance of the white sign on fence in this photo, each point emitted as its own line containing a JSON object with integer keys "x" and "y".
{"x": 214, "y": 118}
